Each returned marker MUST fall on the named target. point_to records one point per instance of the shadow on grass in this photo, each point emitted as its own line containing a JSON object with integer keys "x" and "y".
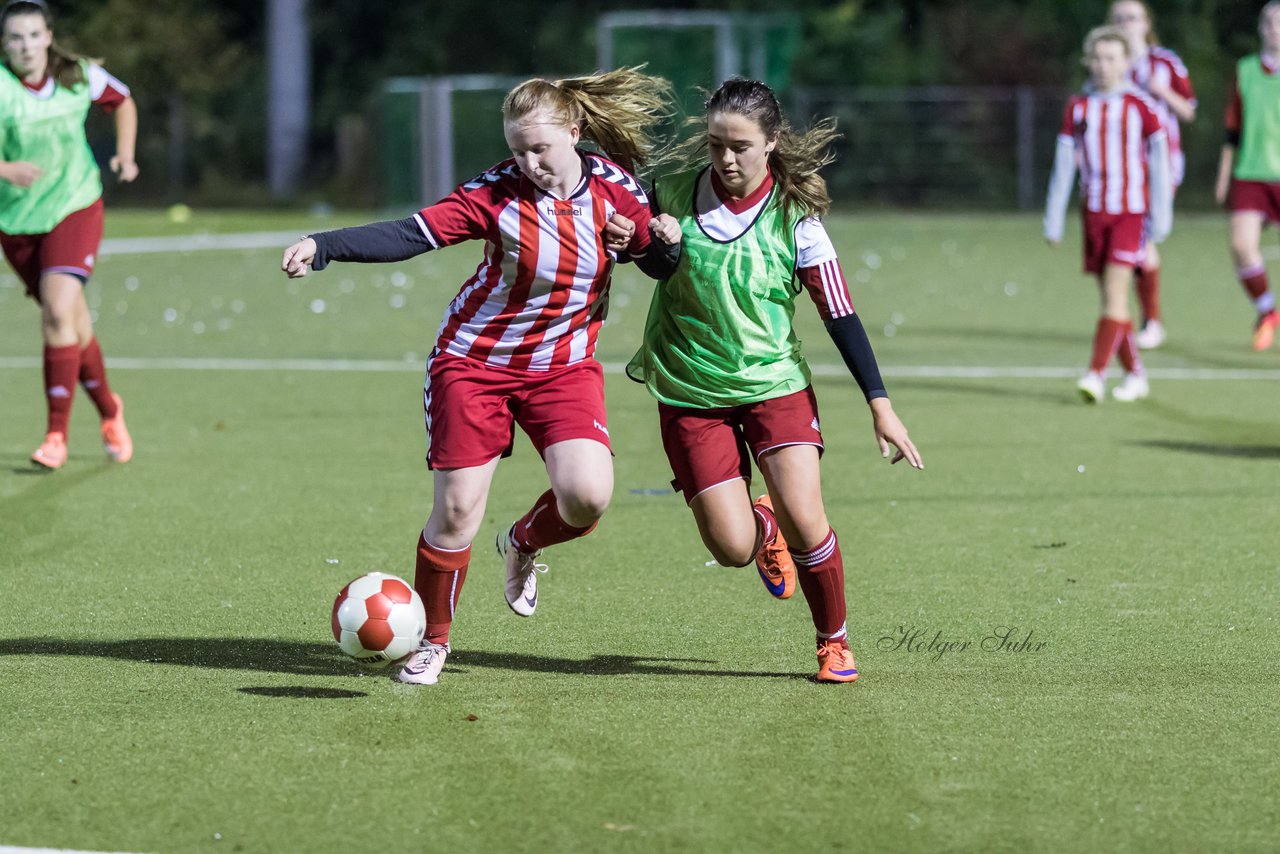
{"x": 1213, "y": 449}
{"x": 267, "y": 655}
{"x": 302, "y": 692}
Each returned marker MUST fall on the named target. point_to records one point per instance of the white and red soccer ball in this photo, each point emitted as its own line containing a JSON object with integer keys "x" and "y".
{"x": 378, "y": 618}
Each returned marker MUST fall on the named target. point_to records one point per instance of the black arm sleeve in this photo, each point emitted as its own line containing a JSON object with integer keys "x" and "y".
{"x": 658, "y": 261}
{"x": 1233, "y": 138}
{"x": 855, "y": 349}
{"x": 395, "y": 240}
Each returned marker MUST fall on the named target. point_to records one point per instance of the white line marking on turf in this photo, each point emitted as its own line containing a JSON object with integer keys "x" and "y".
{"x": 197, "y": 243}
{"x": 377, "y": 366}
{"x": 11, "y": 849}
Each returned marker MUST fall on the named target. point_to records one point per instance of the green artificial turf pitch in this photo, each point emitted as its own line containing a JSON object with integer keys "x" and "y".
{"x": 168, "y": 681}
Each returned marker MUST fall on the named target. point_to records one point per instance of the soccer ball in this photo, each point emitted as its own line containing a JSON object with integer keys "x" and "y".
{"x": 378, "y": 618}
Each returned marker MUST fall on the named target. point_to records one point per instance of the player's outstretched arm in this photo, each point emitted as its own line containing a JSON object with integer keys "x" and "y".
{"x": 659, "y": 258}
{"x": 891, "y": 431}
{"x": 394, "y": 240}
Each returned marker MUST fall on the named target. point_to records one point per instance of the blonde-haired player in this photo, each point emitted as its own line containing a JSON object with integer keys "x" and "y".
{"x": 516, "y": 345}
{"x": 1111, "y": 131}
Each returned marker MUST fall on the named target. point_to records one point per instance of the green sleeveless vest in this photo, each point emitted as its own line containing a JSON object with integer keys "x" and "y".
{"x": 719, "y": 330}
{"x": 1258, "y": 157}
{"x": 50, "y": 134}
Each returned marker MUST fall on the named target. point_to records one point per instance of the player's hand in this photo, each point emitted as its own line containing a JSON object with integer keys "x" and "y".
{"x": 891, "y": 431}
{"x": 1222, "y": 188}
{"x": 298, "y": 257}
{"x": 618, "y": 232}
{"x": 666, "y": 228}
{"x": 125, "y": 170}
{"x": 20, "y": 173}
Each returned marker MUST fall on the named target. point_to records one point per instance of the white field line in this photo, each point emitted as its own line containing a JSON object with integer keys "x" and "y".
{"x": 12, "y": 849}
{"x": 375, "y": 366}
{"x": 198, "y": 243}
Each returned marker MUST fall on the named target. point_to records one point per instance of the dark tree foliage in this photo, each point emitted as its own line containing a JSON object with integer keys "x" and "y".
{"x": 201, "y": 66}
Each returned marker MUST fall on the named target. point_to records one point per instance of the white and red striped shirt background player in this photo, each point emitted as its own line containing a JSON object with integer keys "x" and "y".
{"x": 105, "y": 91}
{"x": 537, "y": 300}
{"x": 1117, "y": 142}
{"x": 1164, "y": 68}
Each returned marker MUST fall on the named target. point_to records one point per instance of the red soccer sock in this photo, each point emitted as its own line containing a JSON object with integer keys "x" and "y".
{"x": 820, "y": 572}
{"x": 1148, "y": 282}
{"x": 438, "y": 580}
{"x": 93, "y": 376}
{"x": 1106, "y": 339}
{"x": 542, "y": 526}
{"x": 1254, "y": 281}
{"x": 766, "y": 525}
{"x": 61, "y": 364}
{"x": 1128, "y": 352}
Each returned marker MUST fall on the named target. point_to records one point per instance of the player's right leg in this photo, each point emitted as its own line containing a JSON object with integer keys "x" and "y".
{"x": 61, "y": 299}
{"x": 469, "y": 430}
{"x": 443, "y": 555}
{"x": 1246, "y": 252}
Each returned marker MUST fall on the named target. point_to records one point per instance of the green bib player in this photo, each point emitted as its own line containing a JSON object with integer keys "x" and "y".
{"x": 51, "y": 210}
{"x": 722, "y": 358}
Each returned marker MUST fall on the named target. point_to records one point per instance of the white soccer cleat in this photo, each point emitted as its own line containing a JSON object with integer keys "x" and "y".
{"x": 1150, "y": 336}
{"x": 1134, "y": 387}
{"x": 1092, "y": 387}
{"x": 425, "y": 664}
{"x": 522, "y": 575}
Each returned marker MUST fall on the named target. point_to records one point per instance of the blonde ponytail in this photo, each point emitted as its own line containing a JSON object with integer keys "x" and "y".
{"x": 617, "y": 110}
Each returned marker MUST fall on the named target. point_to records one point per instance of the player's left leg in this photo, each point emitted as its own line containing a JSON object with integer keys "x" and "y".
{"x": 1147, "y": 279}
{"x": 116, "y": 440}
{"x": 793, "y": 477}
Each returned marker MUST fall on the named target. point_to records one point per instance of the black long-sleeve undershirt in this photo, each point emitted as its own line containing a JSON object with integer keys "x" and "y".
{"x": 855, "y": 348}
{"x": 392, "y": 240}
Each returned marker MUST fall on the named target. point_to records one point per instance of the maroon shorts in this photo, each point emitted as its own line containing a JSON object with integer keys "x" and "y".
{"x": 1113, "y": 239}
{"x": 708, "y": 447}
{"x": 71, "y": 248}
{"x": 472, "y": 409}
{"x": 1260, "y": 196}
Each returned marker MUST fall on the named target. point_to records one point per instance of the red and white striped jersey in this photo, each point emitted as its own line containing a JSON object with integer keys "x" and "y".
{"x": 1162, "y": 66}
{"x": 1111, "y": 132}
{"x": 537, "y": 300}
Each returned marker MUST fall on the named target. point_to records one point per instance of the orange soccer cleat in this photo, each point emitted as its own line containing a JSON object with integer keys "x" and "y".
{"x": 52, "y": 452}
{"x": 835, "y": 663}
{"x": 1265, "y": 331}
{"x": 115, "y": 436}
{"x": 777, "y": 569}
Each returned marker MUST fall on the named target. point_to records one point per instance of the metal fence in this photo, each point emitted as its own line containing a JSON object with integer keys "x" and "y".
{"x": 938, "y": 145}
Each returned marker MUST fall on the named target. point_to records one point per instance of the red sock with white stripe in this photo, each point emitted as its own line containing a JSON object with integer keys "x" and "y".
{"x": 1106, "y": 340}
{"x": 766, "y": 525}
{"x": 820, "y": 573}
{"x": 438, "y": 579}
{"x": 1128, "y": 352}
{"x": 1148, "y": 282}
{"x": 542, "y": 526}
{"x": 61, "y": 364}
{"x": 93, "y": 376}
{"x": 1254, "y": 281}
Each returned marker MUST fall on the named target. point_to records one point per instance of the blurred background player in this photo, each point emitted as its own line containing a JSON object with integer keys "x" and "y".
{"x": 724, "y": 362}
{"x": 1160, "y": 73}
{"x": 1113, "y": 133}
{"x": 516, "y": 345}
{"x": 51, "y": 210}
{"x": 1249, "y": 170}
